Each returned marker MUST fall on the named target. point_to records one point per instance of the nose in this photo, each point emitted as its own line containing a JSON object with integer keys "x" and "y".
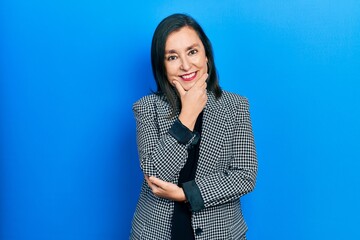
{"x": 185, "y": 64}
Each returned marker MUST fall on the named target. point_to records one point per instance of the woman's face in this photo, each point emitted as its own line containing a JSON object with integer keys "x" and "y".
{"x": 185, "y": 58}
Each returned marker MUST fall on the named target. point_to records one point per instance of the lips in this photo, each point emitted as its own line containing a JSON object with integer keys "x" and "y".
{"x": 189, "y": 77}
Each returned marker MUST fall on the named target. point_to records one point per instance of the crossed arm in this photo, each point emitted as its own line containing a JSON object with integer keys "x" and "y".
{"x": 193, "y": 102}
{"x": 166, "y": 190}
{"x": 162, "y": 158}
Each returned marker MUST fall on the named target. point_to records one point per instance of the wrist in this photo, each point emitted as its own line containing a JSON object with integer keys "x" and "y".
{"x": 182, "y": 197}
{"x": 187, "y": 121}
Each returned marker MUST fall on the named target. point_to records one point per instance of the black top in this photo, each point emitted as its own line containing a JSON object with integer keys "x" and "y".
{"x": 181, "y": 221}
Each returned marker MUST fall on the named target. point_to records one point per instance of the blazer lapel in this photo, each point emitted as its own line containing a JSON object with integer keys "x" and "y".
{"x": 212, "y": 136}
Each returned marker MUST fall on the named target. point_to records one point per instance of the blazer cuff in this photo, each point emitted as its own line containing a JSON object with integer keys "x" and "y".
{"x": 193, "y": 196}
{"x": 181, "y": 133}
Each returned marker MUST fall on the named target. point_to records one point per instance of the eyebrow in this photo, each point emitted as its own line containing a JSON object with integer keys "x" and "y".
{"x": 187, "y": 49}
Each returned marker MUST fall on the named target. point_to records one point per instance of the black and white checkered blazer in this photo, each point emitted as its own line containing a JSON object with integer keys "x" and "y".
{"x": 227, "y": 167}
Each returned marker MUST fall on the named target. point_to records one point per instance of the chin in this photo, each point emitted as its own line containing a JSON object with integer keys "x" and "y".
{"x": 188, "y": 85}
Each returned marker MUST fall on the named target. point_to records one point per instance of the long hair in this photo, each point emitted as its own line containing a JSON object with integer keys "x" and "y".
{"x": 168, "y": 25}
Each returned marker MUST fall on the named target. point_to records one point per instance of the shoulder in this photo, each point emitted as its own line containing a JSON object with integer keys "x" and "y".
{"x": 145, "y": 101}
{"x": 234, "y": 101}
{"x": 147, "y": 104}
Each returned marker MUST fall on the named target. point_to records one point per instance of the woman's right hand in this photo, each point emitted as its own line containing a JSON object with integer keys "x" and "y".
{"x": 193, "y": 101}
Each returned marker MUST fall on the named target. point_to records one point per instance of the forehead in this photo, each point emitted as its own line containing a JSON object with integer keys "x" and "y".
{"x": 182, "y": 39}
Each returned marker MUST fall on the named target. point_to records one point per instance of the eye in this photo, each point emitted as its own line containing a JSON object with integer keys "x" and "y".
{"x": 171, "y": 58}
{"x": 193, "y": 51}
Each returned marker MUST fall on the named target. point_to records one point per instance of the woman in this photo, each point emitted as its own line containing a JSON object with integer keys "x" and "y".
{"x": 195, "y": 143}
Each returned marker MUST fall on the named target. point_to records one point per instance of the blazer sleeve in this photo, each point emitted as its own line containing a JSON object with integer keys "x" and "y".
{"x": 160, "y": 156}
{"x": 240, "y": 176}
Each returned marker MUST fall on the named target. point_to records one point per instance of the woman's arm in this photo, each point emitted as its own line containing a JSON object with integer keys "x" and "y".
{"x": 164, "y": 156}
{"x": 239, "y": 179}
{"x": 160, "y": 156}
{"x": 222, "y": 186}
{"x": 166, "y": 190}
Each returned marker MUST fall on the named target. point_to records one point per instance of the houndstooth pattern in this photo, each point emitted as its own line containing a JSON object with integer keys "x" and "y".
{"x": 227, "y": 167}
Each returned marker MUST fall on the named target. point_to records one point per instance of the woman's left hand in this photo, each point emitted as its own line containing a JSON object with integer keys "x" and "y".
{"x": 166, "y": 190}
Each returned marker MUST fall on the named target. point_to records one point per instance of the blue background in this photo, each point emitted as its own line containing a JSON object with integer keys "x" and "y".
{"x": 70, "y": 71}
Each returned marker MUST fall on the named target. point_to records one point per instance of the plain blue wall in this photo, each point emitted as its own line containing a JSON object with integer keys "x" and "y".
{"x": 70, "y": 71}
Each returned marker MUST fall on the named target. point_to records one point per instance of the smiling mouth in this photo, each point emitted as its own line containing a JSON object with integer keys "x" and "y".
{"x": 189, "y": 77}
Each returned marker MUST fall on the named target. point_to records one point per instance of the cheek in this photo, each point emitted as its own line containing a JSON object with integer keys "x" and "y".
{"x": 171, "y": 73}
{"x": 201, "y": 62}
{"x": 170, "y": 69}
{"x": 202, "y": 65}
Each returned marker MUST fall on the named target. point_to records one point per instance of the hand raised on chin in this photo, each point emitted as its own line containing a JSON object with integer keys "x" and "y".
{"x": 193, "y": 101}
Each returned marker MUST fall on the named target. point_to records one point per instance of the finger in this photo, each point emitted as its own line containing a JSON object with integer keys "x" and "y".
{"x": 202, "y": 79}
{"x": 153, "y": 186}
{"x": 179, "y": 88}
{"x": 156, "y": 181}
{"x": 148, "y": 181}
{"x": 204, "y": 85}
{"x": 160, "y": 184}
{"x": 205, "y": 76}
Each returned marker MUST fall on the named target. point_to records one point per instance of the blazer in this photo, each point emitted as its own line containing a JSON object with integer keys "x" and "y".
{"x": 227, "y": 167}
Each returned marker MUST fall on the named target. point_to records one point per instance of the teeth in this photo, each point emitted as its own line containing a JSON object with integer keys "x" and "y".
{"x": 188, "y": 76}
